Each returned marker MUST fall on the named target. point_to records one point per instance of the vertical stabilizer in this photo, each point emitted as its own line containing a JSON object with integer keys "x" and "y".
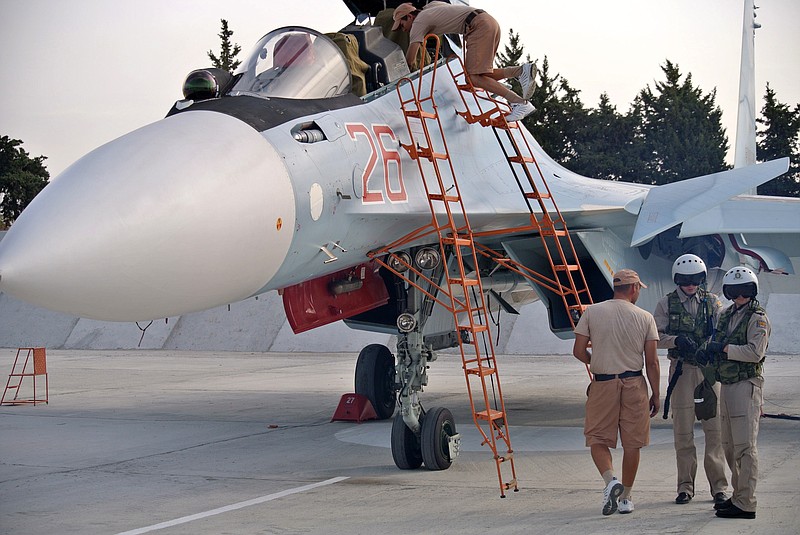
{"x": 745, "y": 151}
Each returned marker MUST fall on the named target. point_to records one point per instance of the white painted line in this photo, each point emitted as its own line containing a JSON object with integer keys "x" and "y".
{"x": 232, "y": 507}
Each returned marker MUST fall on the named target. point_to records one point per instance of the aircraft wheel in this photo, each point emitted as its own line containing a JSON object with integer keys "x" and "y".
{"x": 406, "y": 451}
{"x": 375, "y": 379}
{"x": 437, "y": 427}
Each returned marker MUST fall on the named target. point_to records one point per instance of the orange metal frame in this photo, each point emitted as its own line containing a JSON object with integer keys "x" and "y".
{"x": 39, "y": 355}
{"x": 458, "y": 241}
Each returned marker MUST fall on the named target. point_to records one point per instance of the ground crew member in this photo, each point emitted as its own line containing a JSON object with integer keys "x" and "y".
{"x": 685, "y": 319}
{"x": 736, "y": 355}
{"x": 617, "y": 402}
{"x": 481, "y": 40}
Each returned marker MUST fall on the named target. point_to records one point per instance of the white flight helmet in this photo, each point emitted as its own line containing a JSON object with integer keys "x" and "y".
{"x": 739, "y": 280}
{"x": 687, "y": 265}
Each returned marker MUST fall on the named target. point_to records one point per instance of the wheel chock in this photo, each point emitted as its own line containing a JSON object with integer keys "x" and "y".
{"x": 354, "y": 408}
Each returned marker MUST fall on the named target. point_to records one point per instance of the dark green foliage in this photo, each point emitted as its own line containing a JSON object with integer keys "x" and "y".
{"x": 605, "y": 145}
{"x": 558, "y": 117}
{"x": 779, "y": 137}
{"x": 21, "y": 179}
{"x": 679, "y": 129}
{"x": 227, "y": 58}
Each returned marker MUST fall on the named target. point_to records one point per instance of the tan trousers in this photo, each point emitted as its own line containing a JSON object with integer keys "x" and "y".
{"x": 683, "y": 418}
{"x": 740, "y": 405}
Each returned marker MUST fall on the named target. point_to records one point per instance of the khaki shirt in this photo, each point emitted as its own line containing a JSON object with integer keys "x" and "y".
{"x": 439, "y": 18}
{"x": 758, "y": 331}
{"x": 618, "y": 330}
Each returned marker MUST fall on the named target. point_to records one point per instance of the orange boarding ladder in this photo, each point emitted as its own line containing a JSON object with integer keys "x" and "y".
{"x": 20, "y": 370}
{"x": 464, "y": 296}
{"x": 566, "y": 278}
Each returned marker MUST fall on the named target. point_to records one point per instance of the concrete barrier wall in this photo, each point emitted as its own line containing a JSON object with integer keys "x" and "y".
{"x": 259, "y": 324}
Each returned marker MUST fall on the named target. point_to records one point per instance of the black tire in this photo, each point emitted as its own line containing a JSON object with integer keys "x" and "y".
{"x": 406, "y": 451}
{"x": 375, "y": 379}
{"x": 437, "y": 426}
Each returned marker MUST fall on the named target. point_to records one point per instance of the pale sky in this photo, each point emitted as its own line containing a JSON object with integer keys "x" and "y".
{"x": 78, "y": 73}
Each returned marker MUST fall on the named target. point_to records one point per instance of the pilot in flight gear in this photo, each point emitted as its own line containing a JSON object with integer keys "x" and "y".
{"x": 685, "y": 318}
{"x": 736, "y": 356}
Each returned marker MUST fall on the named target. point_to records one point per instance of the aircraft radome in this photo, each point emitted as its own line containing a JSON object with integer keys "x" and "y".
{"x": 280, "y": 178}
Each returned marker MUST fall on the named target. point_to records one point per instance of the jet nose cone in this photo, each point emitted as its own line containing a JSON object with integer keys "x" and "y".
{"x": 188, "y": 213}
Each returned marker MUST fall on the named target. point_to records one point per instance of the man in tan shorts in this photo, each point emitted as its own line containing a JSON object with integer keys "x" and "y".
{"x": 481, "y": 40}
{"x": 620, "y": 332}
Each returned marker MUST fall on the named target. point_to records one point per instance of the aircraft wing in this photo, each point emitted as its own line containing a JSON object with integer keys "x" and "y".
{"x": 746, "y": 214}
{"x": 670, "y": 204}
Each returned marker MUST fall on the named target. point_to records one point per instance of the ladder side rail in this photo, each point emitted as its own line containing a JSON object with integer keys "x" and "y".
{"x": 560, "y": 215}
{"x": 462, "y": 239}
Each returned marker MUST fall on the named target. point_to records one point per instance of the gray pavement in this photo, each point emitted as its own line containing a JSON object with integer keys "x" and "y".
{"x": 178, "y": 442}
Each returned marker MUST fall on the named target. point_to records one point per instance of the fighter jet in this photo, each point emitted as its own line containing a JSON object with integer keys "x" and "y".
{"x": 412, "y": 208}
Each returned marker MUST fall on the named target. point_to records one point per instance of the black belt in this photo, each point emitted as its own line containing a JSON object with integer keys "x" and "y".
{"x": 471, "y": 16}
{"x": 623, "y": 375}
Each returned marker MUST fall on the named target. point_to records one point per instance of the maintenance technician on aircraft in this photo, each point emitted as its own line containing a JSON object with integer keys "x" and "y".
{"x": 685, "y": 319}
{"x": 617, "y": 397}
{"x": 736, "y": 356}
{"x": 481, "y": 39}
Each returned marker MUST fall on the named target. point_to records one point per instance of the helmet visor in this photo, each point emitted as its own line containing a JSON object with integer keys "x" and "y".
{"x": 732, "y": 291}
{"x": 695, "y": 279}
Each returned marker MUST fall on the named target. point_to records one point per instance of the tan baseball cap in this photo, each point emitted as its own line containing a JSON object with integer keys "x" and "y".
{"x": 401, "y": 11}
{"x": 627, "y": 276}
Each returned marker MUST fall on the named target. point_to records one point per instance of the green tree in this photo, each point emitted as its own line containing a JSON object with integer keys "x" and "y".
{"x": 605, "y": 145}
{"x": 779, "y": 137}
{"x": 227, "y": 57}
{"x": 679, "y": 130}
{"x": 21, "y": 179}
{"x": 558, "y": 117}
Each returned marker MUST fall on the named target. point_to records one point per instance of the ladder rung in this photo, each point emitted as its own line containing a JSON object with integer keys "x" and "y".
{"x": 489, "y": 415}
{"x": 537, "y": 195}
{"x": 568, "y": 267}
{"x": 445, "y": 198}
{"x": 420, "y": 114}
{"x": 553, "y": 232}
{"x": 426, "y": 152}
{"x": 457, "y": 241}
{"x": 520, "y": 159}
{"x": 463, "y": 282}
{"x": 474, "y": 329}
{"x": 481, "y": 372}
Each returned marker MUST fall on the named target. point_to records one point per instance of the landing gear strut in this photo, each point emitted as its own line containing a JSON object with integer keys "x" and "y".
{"x": 417, "y": 436}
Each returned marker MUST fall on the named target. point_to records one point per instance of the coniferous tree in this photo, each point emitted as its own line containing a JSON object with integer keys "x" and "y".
{"x": 21, "y": 179}
{"x": 679, "y": 129}
{"x": 605, "y": 145}
{"x": 227, "y": 58}
{"x": 780, "y": 137}
{"x": 558, "y": 115}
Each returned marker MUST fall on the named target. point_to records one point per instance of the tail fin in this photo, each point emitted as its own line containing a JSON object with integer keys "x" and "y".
{"x": 745, "y": 150}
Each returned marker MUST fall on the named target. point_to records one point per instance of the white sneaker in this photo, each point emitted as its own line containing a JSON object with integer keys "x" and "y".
{"x": 610, "y": 496}
{"x": 625, "y": 506}
{"x": 527, "y": 79}
{"x": 518, "y": 111}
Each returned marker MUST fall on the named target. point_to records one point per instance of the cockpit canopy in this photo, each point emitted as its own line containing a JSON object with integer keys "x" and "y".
{"x": 294, "y": 62}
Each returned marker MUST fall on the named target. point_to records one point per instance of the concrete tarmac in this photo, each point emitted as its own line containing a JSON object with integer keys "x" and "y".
{"x": 174, "y": 442}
